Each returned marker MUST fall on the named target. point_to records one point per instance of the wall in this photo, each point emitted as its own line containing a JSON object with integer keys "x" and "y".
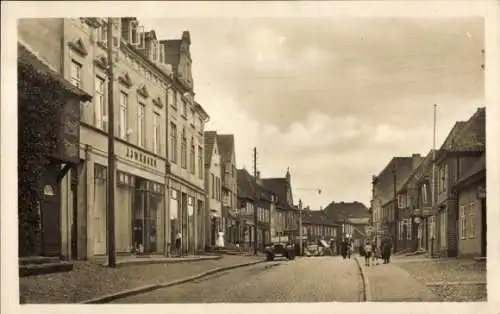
{"x": 43, "y": 36}
{"x": 470, "y": 246}
{"x": 215, "y": 169}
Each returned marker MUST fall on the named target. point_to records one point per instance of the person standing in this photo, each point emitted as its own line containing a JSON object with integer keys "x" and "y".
{"x": 374, "y": 251}
{"x": 178, "y": 241}
{"x": 368, "y": 253}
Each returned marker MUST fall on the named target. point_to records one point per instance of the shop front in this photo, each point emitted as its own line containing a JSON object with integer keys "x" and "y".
{"x": 186, "y": 218}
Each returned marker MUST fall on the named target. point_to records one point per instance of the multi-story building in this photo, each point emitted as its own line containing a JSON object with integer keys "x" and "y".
{"x": 143, "y": 85}
{"x": 246, "y": 205}
{"x": 463, "y": 147}
{"x": 230, "y": 222}
{"x": 352, "y": 217}
{"x": 44, "y": 160}
{"x": 213, "y": 172}
{"x": 384, "y": 200}
{"x": 316, "y": 226}
{"x": 287, "y": 214}
{"x": 186, "y": 122}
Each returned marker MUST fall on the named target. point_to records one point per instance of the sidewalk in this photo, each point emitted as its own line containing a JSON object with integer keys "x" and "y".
{"x": 389, "y": 283}
{"x": 451, "y": 279}
{"x": 89, "y": 279}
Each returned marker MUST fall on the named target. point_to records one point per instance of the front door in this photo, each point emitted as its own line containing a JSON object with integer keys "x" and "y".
{"x": 99, "y": 210}
{"x": 51, "y": 215}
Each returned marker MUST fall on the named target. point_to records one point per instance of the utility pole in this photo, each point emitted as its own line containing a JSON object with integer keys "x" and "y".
{"x": 300, "y": 226}
{"x": 256, "y": 197}
{"x": 111, "y": 150}
{"x": 433, "y": 187}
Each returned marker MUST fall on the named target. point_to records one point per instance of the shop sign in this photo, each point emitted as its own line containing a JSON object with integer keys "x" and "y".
{"x": 141, "y": 157}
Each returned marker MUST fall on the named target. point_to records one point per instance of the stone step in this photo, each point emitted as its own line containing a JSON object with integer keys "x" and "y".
{"x": 45, "y": 268}
{"x": 37, "y": 260}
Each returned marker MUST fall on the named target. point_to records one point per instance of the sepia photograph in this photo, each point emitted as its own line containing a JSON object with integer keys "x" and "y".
{"x": 250, "y": 159}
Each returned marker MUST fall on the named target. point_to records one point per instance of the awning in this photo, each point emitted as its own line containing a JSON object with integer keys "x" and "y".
{"x": 28, "y": 60}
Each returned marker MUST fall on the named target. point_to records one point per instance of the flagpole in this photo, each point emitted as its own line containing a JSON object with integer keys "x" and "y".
{"x": 433, "y": 185}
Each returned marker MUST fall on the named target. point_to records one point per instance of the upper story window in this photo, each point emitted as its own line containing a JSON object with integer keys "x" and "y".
{"x": 183, "y": 149}
{"x": 171, "y": 98}
{"x": 123, "y": 124}
{"x": 100, "y": 104}
{"x": 76, "y": 73}
{"x": 156, "y": 133}
{"x": 200, "y": 162}
{"x": 184, "y": 108}
{"x": 173, "y": 143}
{"x": 141, "y": 125}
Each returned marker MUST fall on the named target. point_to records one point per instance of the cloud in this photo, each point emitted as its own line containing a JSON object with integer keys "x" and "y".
{"x": 333, "y": 99}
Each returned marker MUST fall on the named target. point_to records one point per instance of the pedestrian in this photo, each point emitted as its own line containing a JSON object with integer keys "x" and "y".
{"x": 178, "y": 241}
{"x": 368, "y": 253}
{"x": 386, "y": 250}
{"x": 344, "y": 248}
{"x": 374, "y": 251}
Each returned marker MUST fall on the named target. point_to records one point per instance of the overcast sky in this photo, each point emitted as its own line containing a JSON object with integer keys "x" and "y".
{"x": 333, "y": 99}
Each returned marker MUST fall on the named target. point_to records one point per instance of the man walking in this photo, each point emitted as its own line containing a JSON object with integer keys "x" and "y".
{"x": 368, "y": 253}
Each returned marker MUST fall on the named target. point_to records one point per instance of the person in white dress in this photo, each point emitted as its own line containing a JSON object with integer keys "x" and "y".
{"x": 220, "y": 239}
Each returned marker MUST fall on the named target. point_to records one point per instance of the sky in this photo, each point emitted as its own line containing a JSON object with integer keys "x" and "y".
{"x": 333, "y": 99}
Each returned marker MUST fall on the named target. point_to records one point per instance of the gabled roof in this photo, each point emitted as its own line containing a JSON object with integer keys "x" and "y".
{"x": 279, "y": 187}
{"x": 226, "y": 146}
{"x": 339, "y": 211}
{"x": 210, "y": 142}
{"x": 245, "y": 184}
{"x": 467, "y": 136}
{"x": 384, "y": 188}
{"x": 316, "y": 217}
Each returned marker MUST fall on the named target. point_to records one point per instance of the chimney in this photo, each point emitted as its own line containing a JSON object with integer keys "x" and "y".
{"x": 416, "y": 160}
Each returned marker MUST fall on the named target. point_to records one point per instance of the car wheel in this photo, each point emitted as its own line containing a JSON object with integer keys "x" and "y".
{"x": 270, "y": 257}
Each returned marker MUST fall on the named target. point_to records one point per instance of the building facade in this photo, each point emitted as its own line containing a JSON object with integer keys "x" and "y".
{"x": 384, "y": 195}
{"x": 246, "y": 206}
{"x": 143, "y": 85}
{"x": 471, "y": 191}
{"x": 287, "y": 214}
{"x": 462, "y": 148}
{"x": 213, "y": 186}
{"x": 230, "y": 221}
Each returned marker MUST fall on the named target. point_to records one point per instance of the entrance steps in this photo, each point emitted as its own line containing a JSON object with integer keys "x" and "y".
{"x": 38, "y": 265}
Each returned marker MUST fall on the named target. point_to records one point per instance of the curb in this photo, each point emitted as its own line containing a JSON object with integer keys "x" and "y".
{"x": 366, "y": 284}
{"x": 147, "y": 288}
{"x": 146, "y": 261}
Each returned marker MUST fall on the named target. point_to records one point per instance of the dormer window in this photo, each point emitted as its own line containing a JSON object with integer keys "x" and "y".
{"x": 134, "y": 33}
{"x": 155, "y": 51}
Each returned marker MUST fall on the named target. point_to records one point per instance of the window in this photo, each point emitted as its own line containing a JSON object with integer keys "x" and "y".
{"x": 424, "y": 193}
{"x": 184, "y": 108}
{"x": 171, "y": 98}
{"x": 76, "y": 73}
{"x": 401, "y": 201}
{"x": 173, "y": 143}
{"x": 123, "y": 126}
{"x": 445, "y": 178}
{"x": 213, "y": 185}
{"x": 463, "y": 222}
{"x": 200, "y": 162}
{"x": 192, "y": 157}
{"x": 178, "y": 98}
{"x": 155, "y": 51}
{"x": 141, "y": 125}
{"x": 156, "y": 134}
{"x": 102, "y": 33}
{"x": 193, "y": 118}
{"x": 183, "y": 149}
{"x": 400, "y": 229}
{"x": 100, "y": 104}
{"x": 472, "y": 224}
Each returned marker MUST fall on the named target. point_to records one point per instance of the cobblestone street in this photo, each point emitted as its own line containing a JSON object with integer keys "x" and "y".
{"x": 315, "y": 279}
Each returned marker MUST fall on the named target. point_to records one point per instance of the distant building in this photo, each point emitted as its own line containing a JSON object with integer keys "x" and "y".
{"x": 213, "y": 183}
{"x": 230, "y": 224}
{"x": 352, "y": 217}
{"x": 316, "y": 226}
{"x": 286, "y": 213}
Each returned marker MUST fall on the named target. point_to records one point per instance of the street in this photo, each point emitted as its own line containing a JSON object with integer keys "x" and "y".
{"x": 314, "y": 279}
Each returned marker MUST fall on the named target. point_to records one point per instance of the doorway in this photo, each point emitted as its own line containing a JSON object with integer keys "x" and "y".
{"x": 51, "y": 213}
{"x": 74, "y": 223}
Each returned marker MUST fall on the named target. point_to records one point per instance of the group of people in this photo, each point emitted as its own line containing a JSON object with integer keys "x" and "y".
{"x": 346, "y": 248}
{"x": 370, "y": 252}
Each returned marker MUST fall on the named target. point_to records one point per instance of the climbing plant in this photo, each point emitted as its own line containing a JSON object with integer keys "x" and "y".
{"x": 39, "y": 98}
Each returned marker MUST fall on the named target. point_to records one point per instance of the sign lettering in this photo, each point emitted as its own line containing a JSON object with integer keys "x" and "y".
{"x": 141, "y": 157}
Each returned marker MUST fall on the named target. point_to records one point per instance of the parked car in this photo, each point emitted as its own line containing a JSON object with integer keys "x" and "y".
{"x": 314, "y": 250}
{"x": 280, "y": 247}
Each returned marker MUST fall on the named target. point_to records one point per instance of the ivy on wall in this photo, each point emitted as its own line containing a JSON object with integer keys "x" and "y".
{"x": 39, "y": 99}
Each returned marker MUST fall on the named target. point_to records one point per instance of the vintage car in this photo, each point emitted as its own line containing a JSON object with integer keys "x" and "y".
{"x": 280, "y": 247}
{"x": 318, "y": 249}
